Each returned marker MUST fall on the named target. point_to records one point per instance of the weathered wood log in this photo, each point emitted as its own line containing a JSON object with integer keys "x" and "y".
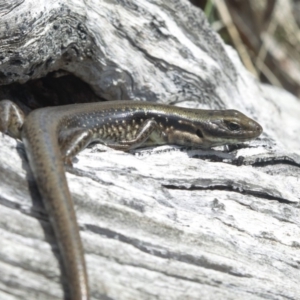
{"x": 168, "y": 223}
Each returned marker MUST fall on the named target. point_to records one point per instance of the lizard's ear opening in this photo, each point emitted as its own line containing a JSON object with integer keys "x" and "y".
{"x": 199, "y": 133}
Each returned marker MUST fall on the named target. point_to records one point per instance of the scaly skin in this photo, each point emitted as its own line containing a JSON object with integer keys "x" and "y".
{"x": 54, "y": 135}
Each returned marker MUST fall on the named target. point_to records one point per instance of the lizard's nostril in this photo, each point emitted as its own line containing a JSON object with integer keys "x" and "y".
{"x": 256, "y": 127}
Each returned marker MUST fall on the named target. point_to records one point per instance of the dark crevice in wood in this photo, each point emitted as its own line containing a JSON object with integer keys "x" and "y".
{"x": 57, "y": 88}
{"x": 164, "y": 252}
{"x": 269, "y": 161}
{"x": 229, "y": 188}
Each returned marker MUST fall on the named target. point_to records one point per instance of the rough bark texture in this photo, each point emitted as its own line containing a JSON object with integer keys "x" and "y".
{"x": 168, "y": 223}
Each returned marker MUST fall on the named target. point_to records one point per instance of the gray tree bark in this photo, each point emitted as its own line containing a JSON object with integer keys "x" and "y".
{"x": 166, "y": 222}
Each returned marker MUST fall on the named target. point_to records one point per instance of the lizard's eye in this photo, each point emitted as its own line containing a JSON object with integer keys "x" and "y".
{"x": 232, "y": 126}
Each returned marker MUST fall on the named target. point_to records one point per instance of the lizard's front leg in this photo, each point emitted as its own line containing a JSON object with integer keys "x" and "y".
{"x": 72, "y": 141}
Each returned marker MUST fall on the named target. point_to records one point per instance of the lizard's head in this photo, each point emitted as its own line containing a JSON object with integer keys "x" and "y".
{"x": 218, "y": 127}
{"x": 227, "y": 127}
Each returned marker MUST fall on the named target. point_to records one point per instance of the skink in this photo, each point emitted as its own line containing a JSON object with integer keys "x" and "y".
{"x": 52, "y": 136}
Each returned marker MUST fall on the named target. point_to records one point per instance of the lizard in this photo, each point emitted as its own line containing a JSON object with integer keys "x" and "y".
{"x": 54, "y": 135}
